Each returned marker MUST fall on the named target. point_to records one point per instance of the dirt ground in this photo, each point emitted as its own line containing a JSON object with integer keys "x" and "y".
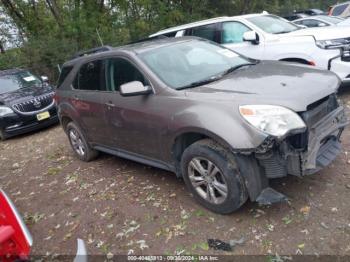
{"x": 121, "y": 207}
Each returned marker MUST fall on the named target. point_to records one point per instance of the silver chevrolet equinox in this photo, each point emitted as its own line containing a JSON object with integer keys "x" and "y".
{"x": 224, "y": 123}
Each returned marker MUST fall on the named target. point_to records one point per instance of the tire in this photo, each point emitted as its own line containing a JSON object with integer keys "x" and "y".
{"x": 209, "y": 189}
{"x": 2, "y": 135}
{"x": 79, "y": 143}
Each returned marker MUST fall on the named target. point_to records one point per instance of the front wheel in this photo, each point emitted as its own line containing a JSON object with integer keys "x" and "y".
{"x": 212, "y": 175}
{"x": 2, "y": 135}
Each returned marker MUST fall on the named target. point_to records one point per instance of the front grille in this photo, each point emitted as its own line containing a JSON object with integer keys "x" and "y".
{"x": 318, "y": 110}
{"x": 315, "y": 112}
{"x": 35, "y": 104}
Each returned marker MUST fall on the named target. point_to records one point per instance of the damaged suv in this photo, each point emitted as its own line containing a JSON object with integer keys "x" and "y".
{"x": 225, "y": 123}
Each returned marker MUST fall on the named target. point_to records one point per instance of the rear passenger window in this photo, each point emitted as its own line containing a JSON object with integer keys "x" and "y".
{"x": 207, "y": 31}
{"x": 64, "y": 73}
{"x": 91, "y": 76}
{"x": 121, "y": 71}
{"x": 172, "y": 34}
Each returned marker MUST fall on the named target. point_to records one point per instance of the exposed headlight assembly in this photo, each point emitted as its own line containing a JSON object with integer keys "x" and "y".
{"x": 272, "y": 120}
{"x": 332, "y": 44}
{"x": 4, "y": 110}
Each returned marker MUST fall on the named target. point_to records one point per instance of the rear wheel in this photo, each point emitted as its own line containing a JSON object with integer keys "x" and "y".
{"x": 211, "y": 174}
{"x": 79, "y": 143}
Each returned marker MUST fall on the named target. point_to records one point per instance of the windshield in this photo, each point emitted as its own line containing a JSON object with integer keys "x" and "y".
{"x": 273, "y": 24}
{"x": 184, "y": 63}
{"x": 13, "y": 82}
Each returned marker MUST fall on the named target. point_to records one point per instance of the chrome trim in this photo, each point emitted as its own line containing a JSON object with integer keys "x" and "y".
{"x": 23, "y": 226}
{"x": 34, "y": 112}
{"x": 39, "y": 98}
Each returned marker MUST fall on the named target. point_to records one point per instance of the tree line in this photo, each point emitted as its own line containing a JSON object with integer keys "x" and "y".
{"x": 40, "y": 34}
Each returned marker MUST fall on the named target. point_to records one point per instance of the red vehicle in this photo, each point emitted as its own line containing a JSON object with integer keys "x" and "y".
{"x": 15, "y": 239}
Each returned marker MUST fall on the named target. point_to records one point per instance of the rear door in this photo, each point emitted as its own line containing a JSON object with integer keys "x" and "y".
{"x": 88, "y": 88}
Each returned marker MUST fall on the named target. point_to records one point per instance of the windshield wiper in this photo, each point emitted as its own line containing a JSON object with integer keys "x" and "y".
{"x": 200, "y": 83}
{"x": 234, "y": 68}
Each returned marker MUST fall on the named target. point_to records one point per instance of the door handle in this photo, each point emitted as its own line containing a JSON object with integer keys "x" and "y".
{"x": 76, "y": 97}
{"x": 110, "y": 104}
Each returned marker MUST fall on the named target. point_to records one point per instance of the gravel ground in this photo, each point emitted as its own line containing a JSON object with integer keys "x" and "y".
{"x": 120, "y": 207}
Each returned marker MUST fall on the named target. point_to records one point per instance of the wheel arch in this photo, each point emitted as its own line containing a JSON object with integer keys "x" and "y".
{"x": 185, "y": 138}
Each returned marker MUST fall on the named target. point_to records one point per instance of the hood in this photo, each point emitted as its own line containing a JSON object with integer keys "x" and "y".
{"x": 273, "y": 83}
{"x": 24, "y": 94}
{"x": 323, "y": 33}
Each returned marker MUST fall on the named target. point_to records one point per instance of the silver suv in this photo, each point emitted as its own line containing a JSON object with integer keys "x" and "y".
{"x": 223, "y": 122}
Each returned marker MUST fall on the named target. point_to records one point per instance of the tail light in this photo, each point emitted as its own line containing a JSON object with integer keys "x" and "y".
{"x": 15, "y": 239}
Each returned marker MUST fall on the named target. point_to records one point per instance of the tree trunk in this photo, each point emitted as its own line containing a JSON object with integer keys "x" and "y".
{"x": 2, "y": 48}
{"x": 55, "y": 11}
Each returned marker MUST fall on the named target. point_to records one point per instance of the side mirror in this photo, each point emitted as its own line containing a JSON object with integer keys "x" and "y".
{"x": 134, "y": 88}
{"x": 45, "y": 79}
{"x": 322, "y": 24}
{"x": 251, "y": 36}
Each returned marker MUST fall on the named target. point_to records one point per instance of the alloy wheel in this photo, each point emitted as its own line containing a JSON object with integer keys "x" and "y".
{"x": 207, "y": 180}
{"x": 77, "y": 142}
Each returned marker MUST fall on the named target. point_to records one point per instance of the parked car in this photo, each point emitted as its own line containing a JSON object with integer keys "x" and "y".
{"x": 26, "y": 103}
{"x": 223, "y": 122}
{"x": 15, "y": 238}
{"x": 269, "y": 37}
{"x": 311, "y": 12}
{"x": 295, "y": 16}
{"x": 342, "y": 10}
{"x": 319, "y": 21}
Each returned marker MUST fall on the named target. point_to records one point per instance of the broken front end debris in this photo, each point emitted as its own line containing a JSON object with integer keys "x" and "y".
{"x": 304, "y": 153}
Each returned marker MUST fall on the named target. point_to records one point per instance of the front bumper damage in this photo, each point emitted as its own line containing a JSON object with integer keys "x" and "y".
{"x": 305, "y": 153}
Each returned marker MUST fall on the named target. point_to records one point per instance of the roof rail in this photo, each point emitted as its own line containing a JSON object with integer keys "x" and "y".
{"x": 92, "y": 51}
{"x": 148, "y": 39}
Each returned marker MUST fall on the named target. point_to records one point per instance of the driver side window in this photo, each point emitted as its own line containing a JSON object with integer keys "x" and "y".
{"x": 120, "y": 71}
{"x": 232, "y": 32}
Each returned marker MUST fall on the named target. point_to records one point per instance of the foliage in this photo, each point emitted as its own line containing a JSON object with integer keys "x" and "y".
{"x": 48, "y": 32}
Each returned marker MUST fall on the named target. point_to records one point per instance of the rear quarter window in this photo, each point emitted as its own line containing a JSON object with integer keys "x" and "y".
{"x": 64, "y": 73}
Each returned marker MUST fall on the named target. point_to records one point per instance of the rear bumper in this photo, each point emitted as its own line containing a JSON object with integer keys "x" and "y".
{"x": 16, "y": 124}
{"x": 323, "y": 146}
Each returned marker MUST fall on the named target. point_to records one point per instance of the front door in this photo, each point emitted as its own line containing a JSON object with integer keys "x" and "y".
{"x": 133, "y": 122}
{"x": 232, "y": 37}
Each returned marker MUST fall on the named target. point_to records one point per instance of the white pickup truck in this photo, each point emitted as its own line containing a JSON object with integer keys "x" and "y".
{"x": 269, "y": 37}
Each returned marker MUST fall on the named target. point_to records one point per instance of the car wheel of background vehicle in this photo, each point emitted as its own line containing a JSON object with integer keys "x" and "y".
{"x": 79, "y": 144}
{"x": 212, "y": 175}
{"x": 2, "y": 135}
